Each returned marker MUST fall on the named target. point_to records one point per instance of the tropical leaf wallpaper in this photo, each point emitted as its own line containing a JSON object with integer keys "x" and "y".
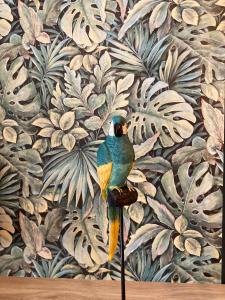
{"x": 66, "y": 67}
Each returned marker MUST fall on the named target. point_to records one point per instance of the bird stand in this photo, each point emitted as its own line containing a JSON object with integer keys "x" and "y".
{"x": 126, "y": 198}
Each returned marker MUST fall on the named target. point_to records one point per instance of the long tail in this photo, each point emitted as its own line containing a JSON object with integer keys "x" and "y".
{"x": 114, "y": 225}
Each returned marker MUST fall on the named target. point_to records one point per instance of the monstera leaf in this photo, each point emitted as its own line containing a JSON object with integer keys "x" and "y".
{"x": 84, "y": 22}
{"x": 167, "y": 113}
{"x": 20, "y": 95}
{"x": 196, "y": 269}
{"x": 83, "y": 240}
{"x": 207, "y": 46}
{"x": 25, "y": 163}
{"x": 198, "y": 199}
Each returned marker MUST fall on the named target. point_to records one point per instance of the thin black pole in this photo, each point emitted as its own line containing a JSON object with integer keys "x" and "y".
{"x": 223, "y": 234}
{"x": 123, "y": 293}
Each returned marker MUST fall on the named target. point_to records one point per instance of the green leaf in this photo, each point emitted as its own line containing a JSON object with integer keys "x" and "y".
{"x": 194, "y": 186}
{"x": 140, "y": 52}
{"x": 192, "y": 233}
{"x": 5, "y": 19}
{"x": 161, "y": 243}
{"x": 47, "y": 66}
{"x": 46, "y": 132}
{"x": 13, "y": 48}
{"x": 68, "y": 141}
{"x": 210, "y": 91}
{"x": 207, "y": 46}
{"x": 158, "y": 15}
{"x": 42, "y": 122}
{"x": 193, "y": 153}
{"x": 162, "y": 213}
{"x": 79, "y": 133}
{"x": 136, "y": 212}
{"x": 76, "y": 62}
{"x": 192, "y": 246}
{"x": 141, "y": 236}
{"x": 140, "y": 9}
{"x": 13, "y": 261}
{"x": 179, "y": 243}
{"x": 145, "y": 147}
{"x": 214, "y": 124}
{"x": 75, "y": 169}
{"x": 93, "y": 26}
{"x": 82, "y": 239}
{"x": 15, "y": 78}
{"x": 193, "y": 269}
{"x": 102, "y": 73}
{"x": 32, "y": 26}
{"x": 158, "y": 113}
{"x": 190, "y": 16}
{"x": 56, "y": 138}
{"x": 25, "y": 163}
{"x": 10, "y": 134}
{"x": 115, "y": 103}
{"x": 136, "y": 176}
{"x": 67, "y": 120}
{"x": 31, "y": 236}
{"x": 182, "y": 72}
{"x": 147, "y": 188}
{"x": 105, "y": 62}
{"x": 53, "y": 224}
{"x": 9, "y": 186}
{"x": 50, "y": 12}
{"x": 153, "y": 164}
{"x": 181, "y": 224}
{"x": 93, "y": 123}
{"x": 125, "y": 84}
{"x": 83, "y": 100}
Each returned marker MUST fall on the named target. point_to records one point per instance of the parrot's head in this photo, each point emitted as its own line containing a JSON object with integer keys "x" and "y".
{"x": 118, "y": 126}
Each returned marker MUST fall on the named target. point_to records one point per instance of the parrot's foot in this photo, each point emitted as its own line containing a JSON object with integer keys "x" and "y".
{"x": 131, "y": 189}
{"x": 116, "y": 188}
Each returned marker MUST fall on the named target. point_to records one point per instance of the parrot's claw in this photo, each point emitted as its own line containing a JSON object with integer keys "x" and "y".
{"x": 131, "y": 189}
{"x": 117, "y": 188}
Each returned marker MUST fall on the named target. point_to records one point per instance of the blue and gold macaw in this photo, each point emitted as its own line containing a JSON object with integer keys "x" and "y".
{"x": 115, "y": 159}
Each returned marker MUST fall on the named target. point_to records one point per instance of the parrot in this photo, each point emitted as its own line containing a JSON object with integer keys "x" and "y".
{"x": 115, "y": 158}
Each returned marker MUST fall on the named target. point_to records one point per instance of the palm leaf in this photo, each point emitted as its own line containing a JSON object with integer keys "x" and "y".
{"x": 140, "y": 51}
{"x": 72, "y": 171}
{"x": 182, "y": 73}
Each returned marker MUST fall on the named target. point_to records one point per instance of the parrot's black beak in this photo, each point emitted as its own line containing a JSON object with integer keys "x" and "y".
{"x": 118, "y": 130}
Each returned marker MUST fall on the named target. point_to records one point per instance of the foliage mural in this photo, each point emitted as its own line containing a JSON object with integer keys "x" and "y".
{"x": 66, "y": 67}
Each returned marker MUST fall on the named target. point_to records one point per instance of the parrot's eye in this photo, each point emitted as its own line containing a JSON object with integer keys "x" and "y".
{"x": 118, "y": 129}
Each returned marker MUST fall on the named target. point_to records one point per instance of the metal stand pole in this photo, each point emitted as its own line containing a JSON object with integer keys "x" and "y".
{"x": 123, "y": 294}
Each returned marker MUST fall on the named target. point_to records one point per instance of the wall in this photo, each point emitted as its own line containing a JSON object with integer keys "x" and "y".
{"x": 65, "y": 70}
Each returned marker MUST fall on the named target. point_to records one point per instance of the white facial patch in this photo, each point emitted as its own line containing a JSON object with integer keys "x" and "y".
{"x": 111, "y": 129}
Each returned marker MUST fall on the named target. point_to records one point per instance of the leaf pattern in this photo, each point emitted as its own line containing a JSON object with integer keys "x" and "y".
{"x": 66, "y": 68}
